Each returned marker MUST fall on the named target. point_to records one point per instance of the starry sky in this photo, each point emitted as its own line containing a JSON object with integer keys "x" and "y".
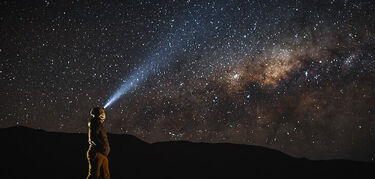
{"x": 296, "y": 76}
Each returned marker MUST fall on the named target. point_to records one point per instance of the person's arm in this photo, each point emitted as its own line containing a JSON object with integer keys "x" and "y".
{"x": 90, "y": 134}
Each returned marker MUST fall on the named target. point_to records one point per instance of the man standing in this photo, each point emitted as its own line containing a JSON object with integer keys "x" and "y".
{"x": 99, "y": 146}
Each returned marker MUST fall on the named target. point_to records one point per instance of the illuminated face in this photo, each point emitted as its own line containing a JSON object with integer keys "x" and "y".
{"x": 102, "y": 116}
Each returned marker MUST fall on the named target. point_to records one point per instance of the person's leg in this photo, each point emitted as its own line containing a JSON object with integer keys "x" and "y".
{"x": 93, "y": 167}
{"x": 88, "y": 159}
{"x": 105, "y": 168}
{"x": 100, "y": 159}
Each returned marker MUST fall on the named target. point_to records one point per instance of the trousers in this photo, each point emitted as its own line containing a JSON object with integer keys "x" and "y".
{"x": 98, "y": 165}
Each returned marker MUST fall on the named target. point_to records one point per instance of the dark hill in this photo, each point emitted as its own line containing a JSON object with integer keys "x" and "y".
{"x": 31, "y": 153}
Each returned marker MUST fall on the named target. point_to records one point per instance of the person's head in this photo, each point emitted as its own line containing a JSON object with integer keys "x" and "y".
{"x": 98, "y": 112}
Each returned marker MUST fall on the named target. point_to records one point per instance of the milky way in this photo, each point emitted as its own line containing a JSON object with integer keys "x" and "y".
{"x": 295, "y": 76}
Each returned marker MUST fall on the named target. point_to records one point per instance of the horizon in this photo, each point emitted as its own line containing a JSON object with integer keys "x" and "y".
{"x": 204, "y": 143}
{"x": 326, "y": 158}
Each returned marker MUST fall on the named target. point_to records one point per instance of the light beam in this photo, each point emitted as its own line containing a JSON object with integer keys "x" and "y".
{"x": 172, "y": 45}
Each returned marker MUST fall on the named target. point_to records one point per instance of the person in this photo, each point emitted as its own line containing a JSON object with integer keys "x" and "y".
{"x": 97, "y": 154}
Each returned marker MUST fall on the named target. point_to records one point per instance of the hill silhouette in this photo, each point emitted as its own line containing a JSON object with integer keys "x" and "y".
{"x": 32, "y": 153}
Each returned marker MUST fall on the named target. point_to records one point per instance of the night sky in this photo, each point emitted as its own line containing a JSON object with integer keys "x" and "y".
{"x": 296, "y": 76}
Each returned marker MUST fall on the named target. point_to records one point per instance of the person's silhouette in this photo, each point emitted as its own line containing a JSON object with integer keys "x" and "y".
{"x": 99, "y": 145}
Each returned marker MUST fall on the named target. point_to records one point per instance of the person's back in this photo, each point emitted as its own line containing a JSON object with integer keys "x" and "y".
{"x": 99, "y": 146}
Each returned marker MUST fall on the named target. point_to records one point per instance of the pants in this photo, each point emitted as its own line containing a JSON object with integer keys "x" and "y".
{"x": 98, "y": 165}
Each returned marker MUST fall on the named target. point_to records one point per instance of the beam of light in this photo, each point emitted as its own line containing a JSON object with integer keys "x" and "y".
{"x": 172, "y": 45}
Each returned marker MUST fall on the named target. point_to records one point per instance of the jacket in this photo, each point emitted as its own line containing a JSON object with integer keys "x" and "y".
{"x": 98, "y": 139}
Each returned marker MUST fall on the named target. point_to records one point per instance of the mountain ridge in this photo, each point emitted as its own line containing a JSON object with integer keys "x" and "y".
{"x": 62, "y": 155}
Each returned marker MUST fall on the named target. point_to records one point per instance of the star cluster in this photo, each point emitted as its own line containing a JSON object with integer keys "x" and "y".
{"x": 297, "y": 76}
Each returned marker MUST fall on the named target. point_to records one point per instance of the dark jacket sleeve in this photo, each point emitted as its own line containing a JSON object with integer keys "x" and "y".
{"x": 99, "y": 137}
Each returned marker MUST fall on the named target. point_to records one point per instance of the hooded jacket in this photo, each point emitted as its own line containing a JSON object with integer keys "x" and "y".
{"x": 98, "y": 139}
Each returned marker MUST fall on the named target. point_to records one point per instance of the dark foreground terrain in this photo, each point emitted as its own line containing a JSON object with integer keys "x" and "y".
{"x": 31, "y": 153}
